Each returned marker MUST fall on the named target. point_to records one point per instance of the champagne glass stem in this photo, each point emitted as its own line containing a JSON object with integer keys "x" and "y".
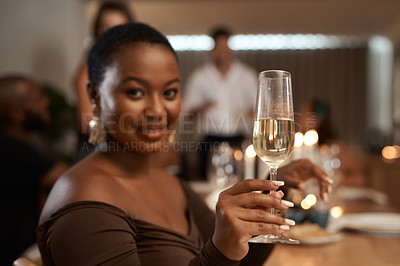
{"x": 272, "y": 177}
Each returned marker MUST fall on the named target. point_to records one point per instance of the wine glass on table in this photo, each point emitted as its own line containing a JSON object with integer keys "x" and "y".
{"x": 273, "y": 131}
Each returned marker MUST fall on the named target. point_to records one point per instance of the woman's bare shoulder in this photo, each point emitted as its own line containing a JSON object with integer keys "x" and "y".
{"x": 85, "y": 181}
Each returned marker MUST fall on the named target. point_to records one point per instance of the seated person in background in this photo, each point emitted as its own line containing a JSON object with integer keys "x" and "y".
{"x": 25, "y": 172}
{"x": 118, "y": 205}
{"x": 222, "y": 95}
{"x": 316, "y": 114}
{"x": 110, "y": 14}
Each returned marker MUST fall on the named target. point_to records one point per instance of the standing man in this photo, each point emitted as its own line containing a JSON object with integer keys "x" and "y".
{"x": 221, "y": 94}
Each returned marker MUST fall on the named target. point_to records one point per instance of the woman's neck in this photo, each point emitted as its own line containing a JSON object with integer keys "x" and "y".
{"x": 130, "y": 163}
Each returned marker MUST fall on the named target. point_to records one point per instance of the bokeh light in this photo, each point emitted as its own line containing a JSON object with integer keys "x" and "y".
{"x": 238, "y": 155}
{"x": 250, "y": 152}
{"x": 311, "y": 199}
{"x": 336, "y": 211}
{"x": 311, "y": 137}
{"x": 298, "y": 139}
{"x": 390, "y": 152}
{"x": 305, "y": 204}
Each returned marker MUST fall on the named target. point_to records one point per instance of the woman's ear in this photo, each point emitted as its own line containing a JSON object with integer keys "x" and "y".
{"x": 93, "y": 92}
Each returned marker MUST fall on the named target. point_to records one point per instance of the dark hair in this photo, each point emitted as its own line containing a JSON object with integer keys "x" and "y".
{"x": 112, "y": 39}
{"x": 110, "y": 6}
{"x": 220, "y": 31}
{"x": 322, "y": 110}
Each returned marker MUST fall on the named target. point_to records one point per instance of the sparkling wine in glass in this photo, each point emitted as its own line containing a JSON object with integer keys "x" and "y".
{"x": 273, "y": 131}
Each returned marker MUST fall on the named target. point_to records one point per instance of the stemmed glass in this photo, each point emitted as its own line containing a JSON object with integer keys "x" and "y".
{"x": 273, "y": 132}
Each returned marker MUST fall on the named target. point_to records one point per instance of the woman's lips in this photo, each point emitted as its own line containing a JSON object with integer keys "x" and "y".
{"x": 152, "y": 132}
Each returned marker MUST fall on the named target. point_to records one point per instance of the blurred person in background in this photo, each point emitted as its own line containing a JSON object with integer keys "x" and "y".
{"x": 26, "y": 174}
{"x": 110, "y": 14}
{"x": 316, "y": 114}
{"x": 221, "y": 94}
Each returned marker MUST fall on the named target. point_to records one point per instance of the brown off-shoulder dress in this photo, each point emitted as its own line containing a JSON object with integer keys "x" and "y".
{"x": 97, "y": 233}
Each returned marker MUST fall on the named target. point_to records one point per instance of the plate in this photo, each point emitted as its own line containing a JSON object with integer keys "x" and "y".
{"x": 313, "y": 234}
{"x": 374, "y": 223}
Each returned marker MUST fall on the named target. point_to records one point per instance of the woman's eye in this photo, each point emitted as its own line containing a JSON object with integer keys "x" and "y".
{"x": 135, "y": 93}
{"x": 171, "y": 93}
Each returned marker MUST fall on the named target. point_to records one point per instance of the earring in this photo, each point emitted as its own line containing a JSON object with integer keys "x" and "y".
{"x": 171, "y": 138}
{"x": 97, "y": 128}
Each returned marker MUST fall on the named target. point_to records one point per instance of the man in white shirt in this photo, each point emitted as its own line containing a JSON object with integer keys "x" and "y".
{"x": 222, "y": 95}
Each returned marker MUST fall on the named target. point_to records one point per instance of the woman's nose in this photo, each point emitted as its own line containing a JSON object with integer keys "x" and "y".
{"x": 155, "y": 108}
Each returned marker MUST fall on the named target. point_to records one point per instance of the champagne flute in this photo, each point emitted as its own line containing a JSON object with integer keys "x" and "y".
{"x": 273, "y": 132}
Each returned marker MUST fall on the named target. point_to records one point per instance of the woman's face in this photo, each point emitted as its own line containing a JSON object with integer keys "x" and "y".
{"x": 140, "y": 96}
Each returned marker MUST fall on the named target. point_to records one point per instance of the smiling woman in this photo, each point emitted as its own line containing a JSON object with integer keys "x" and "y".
{"x": 119, "y": 206}
{"x": 139, "y": 102}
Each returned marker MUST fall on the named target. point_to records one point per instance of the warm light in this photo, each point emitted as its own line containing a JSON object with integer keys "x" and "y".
{"x": 335, "y": 149}
{"x": 336, "y": 211}
{"x": 311, "y": 138}
{"x": 389, "y": 152}
{"x": 305, "y": 204}
{"x": 92, "y": 123}
{"x": 397, "y": 147}
{"x": 324, "y": 149}
{"x": 238, "y": 155}
{"x": 311, "y": 199}
{"x": 250, "y": 152}
{"x": 298, "y": 139}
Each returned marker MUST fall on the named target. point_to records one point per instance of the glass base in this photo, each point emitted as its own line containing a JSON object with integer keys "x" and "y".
{"x": 274, "y": 239}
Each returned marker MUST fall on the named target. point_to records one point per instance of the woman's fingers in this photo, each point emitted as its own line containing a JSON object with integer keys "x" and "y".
{"x": 259, "y": 200}
{"x": 250, "y": 185}
{"x": 259, "y": 215}
{"x": 259, "y": 228}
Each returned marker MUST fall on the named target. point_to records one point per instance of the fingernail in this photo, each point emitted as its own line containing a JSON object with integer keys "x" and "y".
{"x": 290, "y": 222}
{"x": 287, "y": 203}
{"x": 284, "y": 227}
{"x": 278, "y": 183}
{"x": 330, "y": 181}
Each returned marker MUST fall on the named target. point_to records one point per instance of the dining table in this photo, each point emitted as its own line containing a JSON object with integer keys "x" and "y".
{"x": 352, "y": 250}
{"x": 356, "y": 248}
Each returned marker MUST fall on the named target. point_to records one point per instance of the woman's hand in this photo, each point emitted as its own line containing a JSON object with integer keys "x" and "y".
{"x": 297, "y": 172}
{"x": 241, "y": 213}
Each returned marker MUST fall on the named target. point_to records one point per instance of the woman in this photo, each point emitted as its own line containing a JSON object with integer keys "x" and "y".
{"x": 110, "y": 14}
{"x": 316, "y": 114}
{"x": 117, "y": 206}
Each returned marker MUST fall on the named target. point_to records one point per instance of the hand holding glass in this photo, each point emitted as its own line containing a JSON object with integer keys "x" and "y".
{"x": 273, "y": 132}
